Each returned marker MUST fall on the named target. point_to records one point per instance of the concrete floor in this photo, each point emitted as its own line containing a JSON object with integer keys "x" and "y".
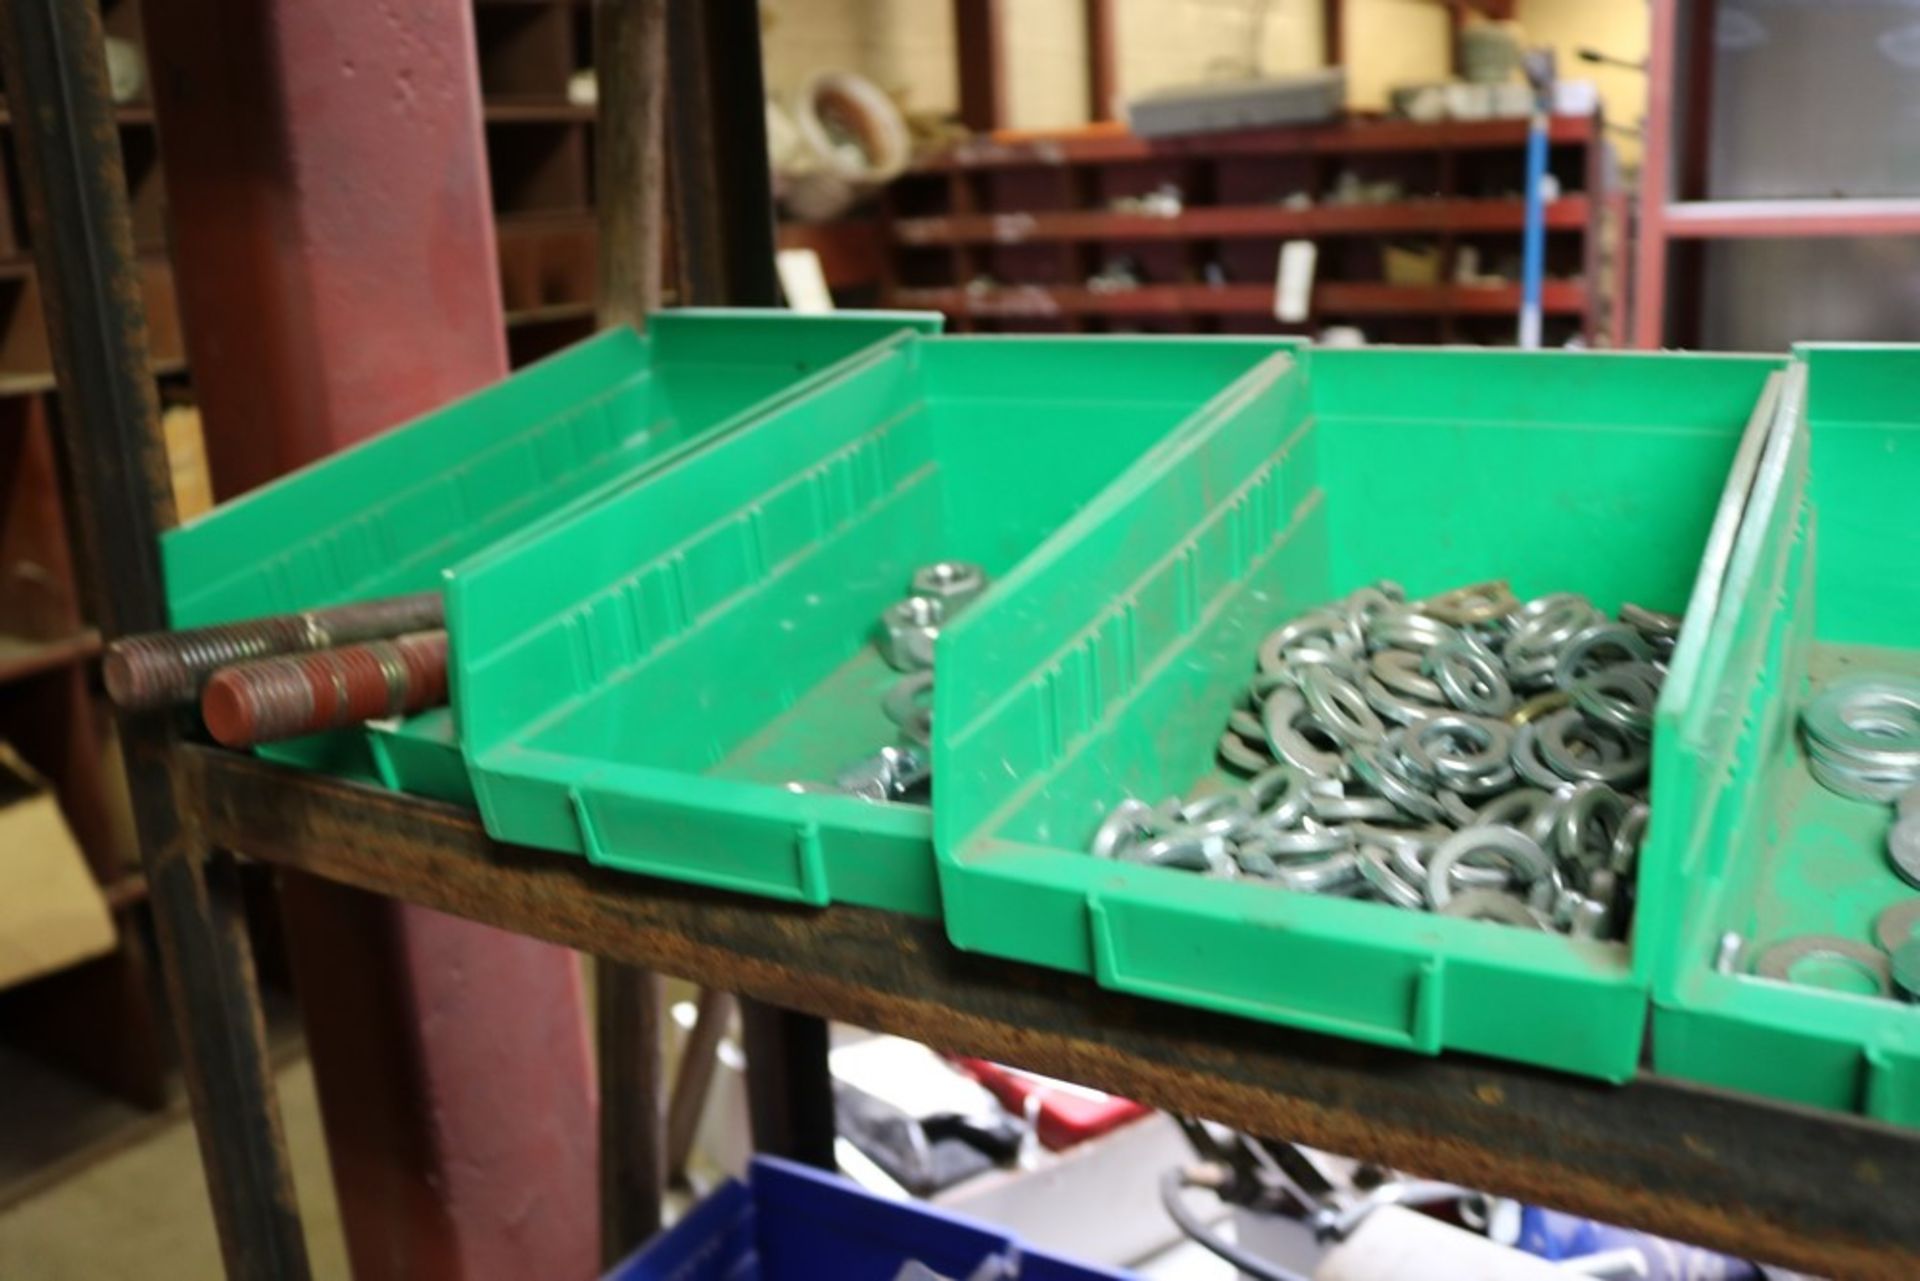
{"x": 142, "y": 1212}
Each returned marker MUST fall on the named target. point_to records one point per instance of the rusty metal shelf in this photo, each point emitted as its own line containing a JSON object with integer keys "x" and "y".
{"x": 1811, "y": 1190}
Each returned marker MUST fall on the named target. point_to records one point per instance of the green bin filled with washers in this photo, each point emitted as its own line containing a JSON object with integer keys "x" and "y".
{"x": 392, "y": 515}
{"x": 1103, "y": 668}
{"x": 1790, "y": 919}
{"x": 673, "y": 681}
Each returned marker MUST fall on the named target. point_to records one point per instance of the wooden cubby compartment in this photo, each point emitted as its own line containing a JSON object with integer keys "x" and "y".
{"x": 527, "y": 51}
{"x": 538, "y": 166}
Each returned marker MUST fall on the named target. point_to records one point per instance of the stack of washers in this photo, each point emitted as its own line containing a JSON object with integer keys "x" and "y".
{"x": 1862, "y": 735}
{"x": 1469, "y": 754}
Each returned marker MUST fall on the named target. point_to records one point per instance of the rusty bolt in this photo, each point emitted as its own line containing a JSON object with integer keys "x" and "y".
{"x": 169, "y": 669}
{"x": 286, "y": 697}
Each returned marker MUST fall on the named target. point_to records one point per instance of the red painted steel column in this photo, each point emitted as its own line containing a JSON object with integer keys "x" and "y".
{"x": 331, "y": 224}
{"x": 1651, "y": 243}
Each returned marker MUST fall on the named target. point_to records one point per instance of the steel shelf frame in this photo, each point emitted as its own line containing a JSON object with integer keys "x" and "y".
{"x": 1673, "y": 177}
{"x": 1808, "y": 1189}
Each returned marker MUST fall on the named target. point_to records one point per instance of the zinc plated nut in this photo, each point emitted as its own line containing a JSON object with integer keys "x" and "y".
{"x": 955, "y": 584}
{"x": 888, "y": 775}
{"x": 908, "y": 629}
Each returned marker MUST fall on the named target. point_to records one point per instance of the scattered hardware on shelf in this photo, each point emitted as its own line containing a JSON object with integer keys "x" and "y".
{"x": 1468, "y": 754}
{"x": 1890, "y": 967}
{"x": 1410, "y": 264}
{"x": 1164, "y": 201}
{"x": 1862, "y": 739}
{"x": 906, "y": 634}
{"x": 1350, "y": 189}
{"x": 1116, "y": 276}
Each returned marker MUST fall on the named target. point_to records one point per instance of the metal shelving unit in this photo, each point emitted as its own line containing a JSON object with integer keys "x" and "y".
{"x": 1007, "y": 235}
{"x": 1673, "y": 177}
{"x": 1824, "y": 1192}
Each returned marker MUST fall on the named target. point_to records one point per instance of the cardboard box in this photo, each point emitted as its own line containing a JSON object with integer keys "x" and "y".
{"x": 52, "y": 913}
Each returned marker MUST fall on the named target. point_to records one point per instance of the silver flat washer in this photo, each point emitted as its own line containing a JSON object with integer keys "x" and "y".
{"x": 1778, "y": 960}
{"x": 1903, "y": 849}
{"x": 1905, "y": 966}
{"x": 1896, "y": 924}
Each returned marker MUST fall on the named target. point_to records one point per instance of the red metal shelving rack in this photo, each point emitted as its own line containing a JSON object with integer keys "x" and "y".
{"x": 1670, "y": 209}
{"x": 1035, "y": 217}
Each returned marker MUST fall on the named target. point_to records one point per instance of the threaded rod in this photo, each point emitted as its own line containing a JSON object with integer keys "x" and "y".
{"x": 169, "y": 669}
{"x": 297, "y": 694}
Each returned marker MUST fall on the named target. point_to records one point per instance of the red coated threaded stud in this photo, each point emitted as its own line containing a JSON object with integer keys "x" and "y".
{"x": 168, "y": 669}
{"x": 286, "y": 697}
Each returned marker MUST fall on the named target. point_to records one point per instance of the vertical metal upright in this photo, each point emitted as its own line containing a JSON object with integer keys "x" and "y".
{"x": 723, "y": 215}
{"x": 69, "y": 152}
{"x": 629, "y": 58}
{"x": 332, "y": 230}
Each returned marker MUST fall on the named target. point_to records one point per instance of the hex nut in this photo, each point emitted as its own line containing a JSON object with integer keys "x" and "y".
{"x": 907, "y": 632}
{"x": 954, "y": 583}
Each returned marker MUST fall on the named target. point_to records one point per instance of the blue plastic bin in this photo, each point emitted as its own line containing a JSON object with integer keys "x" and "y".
{"x": 791, "y": 1223}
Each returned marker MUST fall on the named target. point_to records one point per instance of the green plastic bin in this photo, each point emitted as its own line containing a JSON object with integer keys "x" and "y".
{"x": 639, "y": 685}
{"x": 1825, "y": 582}
{"x": 393, "y": 514}
{"x": 1103, "y": 667}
